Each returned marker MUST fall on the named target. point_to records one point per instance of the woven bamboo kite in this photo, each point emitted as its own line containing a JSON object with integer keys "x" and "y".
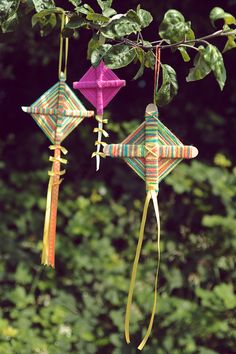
{"x": 99, "y": 85}
{"x": 152, "y": 151}
{"x": 57, "y": 112}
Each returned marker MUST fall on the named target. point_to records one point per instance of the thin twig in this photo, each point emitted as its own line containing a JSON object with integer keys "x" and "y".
{"x": 183, "y": 43}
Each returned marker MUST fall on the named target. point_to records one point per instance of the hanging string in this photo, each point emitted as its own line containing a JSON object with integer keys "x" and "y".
{"x": 64, "y": 46}
{"x": 157, "y": 71}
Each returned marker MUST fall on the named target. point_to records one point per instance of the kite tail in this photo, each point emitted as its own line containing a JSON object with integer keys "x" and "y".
{"x": 49, "y": 235}
{"x": 101, "y": 132}
{"x": 150, "y": 195}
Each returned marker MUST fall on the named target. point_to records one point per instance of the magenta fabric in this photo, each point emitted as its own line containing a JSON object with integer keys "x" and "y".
{"x": 99, "y": 85}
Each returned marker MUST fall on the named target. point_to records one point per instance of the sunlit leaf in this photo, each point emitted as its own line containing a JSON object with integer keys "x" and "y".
{"x": 174, "y": 28}
{"x": 217, "y": 13}
{"x": 122, "y": 26}
{"x": 184, "y": 54}
{"x": 43, "y": 4}
{"x": 119, "y": 56}
{"x": 104, "y": 4}
{"x": 97, "y": 18}
{"x": 8, "y": 9}
{"x": 230, "y": 44}
{"x": 144, "y": 16}
{"x": 208, "y": 59}
{"x": 98, "y": 54}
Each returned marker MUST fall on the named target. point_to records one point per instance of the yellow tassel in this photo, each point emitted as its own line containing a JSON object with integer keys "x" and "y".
{"x": 45, "y": 255}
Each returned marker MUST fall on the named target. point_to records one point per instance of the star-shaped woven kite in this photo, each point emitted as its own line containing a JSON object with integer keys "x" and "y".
{"x": 57, "y": 112}
{"x": 99, "y": 85}
{"x": 152, "y": 151}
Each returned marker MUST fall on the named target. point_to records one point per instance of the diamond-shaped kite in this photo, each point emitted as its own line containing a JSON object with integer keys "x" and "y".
{"x": 152, "y": 151}
{"x": 99, "y": 85}
{"x": 57, "y": 112}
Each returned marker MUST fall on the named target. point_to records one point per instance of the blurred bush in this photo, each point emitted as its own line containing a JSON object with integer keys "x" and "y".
{"x": 79, "y": 307}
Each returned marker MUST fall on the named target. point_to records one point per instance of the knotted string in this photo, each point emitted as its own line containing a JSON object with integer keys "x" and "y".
{"x": 49, "y": 234}
{"x": 150, "y": 195}
{"x": 64, "y": 45}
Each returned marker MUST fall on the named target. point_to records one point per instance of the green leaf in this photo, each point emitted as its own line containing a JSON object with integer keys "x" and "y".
{"x": 217, "y": 13}
{"x": 75, "y": 2}
{"x": 93, "y": 45}
{"x": 226, "y": 293}
{"x": 67, "y": 32}
{"x": 97, "y": 18}
{"x": 184, "y": 54}
{"x": 230, "y": 44}
{"x": 8, "y": 10}
{"x": 10, "y": 24}
{"x": 43, "y": 4}
{"x": 109, "y": 12}
{"x": 46, "y": 19}
{"x": 98, "y": 54}
{"x": 84, "y": 9}
{"x": 207, "y": 60}
{"x": 214, "y": 59}
{"x": 119, "y": 56}
{"x": 150, "y": 60}
{"x": 104, "y": 4}
{"x": 140, "y": 54}
{"x": 145, "y": 17}
{"x": 174, "y": 28}
{"x": 122, "y": 26}
{"x": 169, "y": 87}
{"x": 201, "y": 69}
{"x": 76, "y": 21}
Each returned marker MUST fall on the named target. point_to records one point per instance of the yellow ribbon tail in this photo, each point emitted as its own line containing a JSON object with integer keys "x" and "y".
{"x": 135, "y": 267}
{"x": 49, "y": 233}
{"x": 101, "y": 132}
{"x": 155, "y": 204}
{"x": 45, "y": 252}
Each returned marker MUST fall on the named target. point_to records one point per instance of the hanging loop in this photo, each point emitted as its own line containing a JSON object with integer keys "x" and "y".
{"x": 64, "y": 47}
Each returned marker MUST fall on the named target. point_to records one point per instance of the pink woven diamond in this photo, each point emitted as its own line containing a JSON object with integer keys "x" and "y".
{"x": 99, "y": 85}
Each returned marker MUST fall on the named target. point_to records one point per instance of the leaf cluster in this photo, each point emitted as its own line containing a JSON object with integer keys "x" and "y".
{"x": 117, "y": 39}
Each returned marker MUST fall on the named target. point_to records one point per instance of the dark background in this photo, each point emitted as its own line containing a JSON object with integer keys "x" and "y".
{"x": 79, "y": 307}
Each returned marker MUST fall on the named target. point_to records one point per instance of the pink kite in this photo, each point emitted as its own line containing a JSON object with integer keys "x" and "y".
{"x": 99, "y": 85}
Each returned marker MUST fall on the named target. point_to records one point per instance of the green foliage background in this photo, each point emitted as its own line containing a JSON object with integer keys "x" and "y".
{"x": 79, "y": 307}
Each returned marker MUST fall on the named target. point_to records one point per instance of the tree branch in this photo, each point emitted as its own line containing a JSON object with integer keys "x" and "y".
{"x": 184, "y": 43}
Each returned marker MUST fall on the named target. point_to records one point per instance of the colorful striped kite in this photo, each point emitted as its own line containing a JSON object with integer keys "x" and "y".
{"x": 99, "y": 85}
{"x": 152, "y": 151}
{"x": 57, "y": 112}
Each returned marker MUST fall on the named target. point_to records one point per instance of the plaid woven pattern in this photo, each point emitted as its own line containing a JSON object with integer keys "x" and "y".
{"x": 57, "y": 112}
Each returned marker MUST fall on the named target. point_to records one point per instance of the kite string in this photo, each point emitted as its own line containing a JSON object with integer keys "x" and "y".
{"x": 157, "y": 71}
{"x": 64, "y": 45}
